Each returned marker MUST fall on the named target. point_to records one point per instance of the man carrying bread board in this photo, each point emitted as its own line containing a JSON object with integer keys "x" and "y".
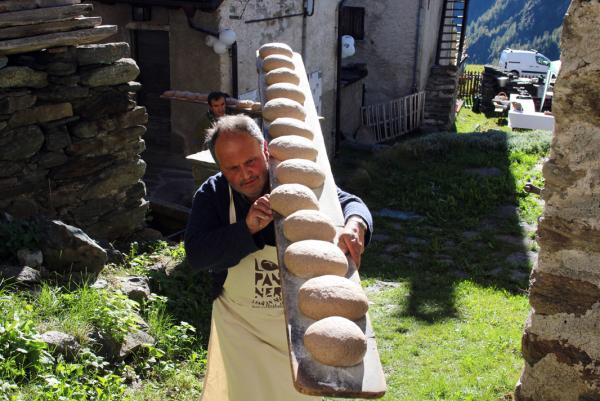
{"x": 217, "y": 108}
{"x": 231, "y": 233}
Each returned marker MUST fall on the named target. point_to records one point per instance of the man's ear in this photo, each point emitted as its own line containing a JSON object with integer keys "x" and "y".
{"x": 266, "y": 149}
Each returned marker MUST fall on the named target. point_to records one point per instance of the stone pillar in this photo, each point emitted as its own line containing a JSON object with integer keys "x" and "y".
{"x": 440, "y": 100}
{"x": 561, "y": 342}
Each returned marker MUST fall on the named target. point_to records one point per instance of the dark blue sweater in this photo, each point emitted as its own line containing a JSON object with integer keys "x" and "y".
{"x": 212, "y": 244}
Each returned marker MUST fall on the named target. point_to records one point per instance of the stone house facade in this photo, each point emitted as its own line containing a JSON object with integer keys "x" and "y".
{"x": 396, "y": 46}
{"x": 399, "y": 54}
{"x": 192, "y": 65}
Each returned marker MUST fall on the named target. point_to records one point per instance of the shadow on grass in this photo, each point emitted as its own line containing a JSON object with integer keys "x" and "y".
{"x": 468, "y": 191}
{"x": 188, "y": 293}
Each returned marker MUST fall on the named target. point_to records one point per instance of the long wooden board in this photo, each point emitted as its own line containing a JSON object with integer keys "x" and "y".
{"x": 78, "y": 37}
{"x": 23, "y": 31}
{"x": 365, "y": 380}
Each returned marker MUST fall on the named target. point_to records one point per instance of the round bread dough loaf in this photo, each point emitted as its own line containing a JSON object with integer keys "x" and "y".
{"x": 292, "y": 147}
{"x": 282, "y": 107}
{"x": 300, "y": 171}
{"x": 289, "y": 126}
{"x": 336, "y": 341}
{"x": 311, "y": 258}
{"x": 325, "y": 296}
{"x": 288, "y": 198}
{"x": 277, "y": 61}
{"x": 308, "y": 224}
{"x": 286, "y": 90}
{"x": 280, "y": 75}
{"x": 274, "y": 48}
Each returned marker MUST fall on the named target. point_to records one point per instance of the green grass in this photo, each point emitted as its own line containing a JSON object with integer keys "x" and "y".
{"x": 471, "y": 356}
{"x": 450, "y": 326}
{"x": 468, "y": 122}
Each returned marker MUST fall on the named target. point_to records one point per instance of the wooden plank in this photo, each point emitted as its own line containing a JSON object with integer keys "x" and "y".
{"x": 82, "y": 36}
{"x": 24, "y": 31}
{"x": 40, "y": 15}
{"x": 19, "y": 5}
{"x": 365, "y": 380}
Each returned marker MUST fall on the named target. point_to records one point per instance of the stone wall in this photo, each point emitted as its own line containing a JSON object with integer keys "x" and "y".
{"x": 70, "y": 138}
{"x": 440, "y": 101}
{"x": 560, "y": 341}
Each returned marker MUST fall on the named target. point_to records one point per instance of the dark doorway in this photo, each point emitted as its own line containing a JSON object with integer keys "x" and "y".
{"x": 152, "y": 56}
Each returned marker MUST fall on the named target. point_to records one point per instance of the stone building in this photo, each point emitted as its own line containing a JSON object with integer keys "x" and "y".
{"x": 169, "y": 37}
{"x": 402, "y": 47}
{"x": 560, "y": 342}
{"x": 397, "y": 43}
{"x": 70, "y": 129}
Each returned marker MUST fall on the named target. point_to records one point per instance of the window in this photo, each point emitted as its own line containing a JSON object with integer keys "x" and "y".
{"x": 352, "y": 22}
{"x": 542, "y": 60}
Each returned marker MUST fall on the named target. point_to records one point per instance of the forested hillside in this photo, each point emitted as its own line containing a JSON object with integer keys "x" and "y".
{"x": 519, "y": 24}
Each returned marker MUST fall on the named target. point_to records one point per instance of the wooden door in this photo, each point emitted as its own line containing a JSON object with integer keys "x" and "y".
{"x": 152, "y": 56}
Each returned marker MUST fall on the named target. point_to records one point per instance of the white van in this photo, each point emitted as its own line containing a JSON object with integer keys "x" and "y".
{"x": 524, "y": 63}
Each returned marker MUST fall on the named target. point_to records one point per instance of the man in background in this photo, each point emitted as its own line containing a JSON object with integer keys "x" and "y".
{"x": 217, "y": 108}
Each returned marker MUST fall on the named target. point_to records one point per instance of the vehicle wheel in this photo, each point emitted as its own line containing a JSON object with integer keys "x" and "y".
{"x": 515, "y": 73}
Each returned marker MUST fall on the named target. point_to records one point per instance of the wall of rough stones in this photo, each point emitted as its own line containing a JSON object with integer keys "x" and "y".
{"x": 70, "y": 138}
{"x": 440, "y": 98}
{"x": 561, "y": 343}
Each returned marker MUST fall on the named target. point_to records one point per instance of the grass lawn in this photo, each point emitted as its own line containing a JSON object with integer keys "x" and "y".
{"x": 447, "y": 277}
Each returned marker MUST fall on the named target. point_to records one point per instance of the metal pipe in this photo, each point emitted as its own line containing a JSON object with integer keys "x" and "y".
{"x": 338, "y": 133}
{"x": 234, "y": 70}
{"x": 414, "y": 87}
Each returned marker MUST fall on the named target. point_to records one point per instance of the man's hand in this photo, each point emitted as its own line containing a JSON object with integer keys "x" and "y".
{"x": 352, "y": 239}
{"x": 260, "y": 214}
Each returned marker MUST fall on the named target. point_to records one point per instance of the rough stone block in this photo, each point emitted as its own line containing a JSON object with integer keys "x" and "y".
{"x": 52, "y": 159}
{"x": 22, "y": 77}
{"x": 102, "y": 104}
{"x": 60, "y": 93}
{"x": 41, "y": 114}
{"x": 21, "y": 143}
{"x": 81, "y": 167}
{"x": 122, "y": 71}
{"x": 67, "y": 248}
{"x": 11, "y": 104}
{"x": 58, "y": 139}
{"x": 114, "y": 178}
{"x": 106, "y": 53}
{"x": 122, "y": 223}
{"x": 551, "y": 294}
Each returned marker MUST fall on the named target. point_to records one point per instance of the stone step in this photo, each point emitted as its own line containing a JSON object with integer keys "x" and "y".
{"x": 38, "y": 15}
{"x": 19, "y": 5}
{"x": 24, "y": 31}
{"x": 82, "y": 36}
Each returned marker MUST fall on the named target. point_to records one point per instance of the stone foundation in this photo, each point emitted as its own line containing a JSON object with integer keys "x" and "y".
{"x": 70, "y": 138}
{"x": 561, "y": 343}
{"x": 440, "y": 103}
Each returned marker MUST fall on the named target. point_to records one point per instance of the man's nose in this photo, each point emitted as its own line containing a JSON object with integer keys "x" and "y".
{"x": 246, "y": 173}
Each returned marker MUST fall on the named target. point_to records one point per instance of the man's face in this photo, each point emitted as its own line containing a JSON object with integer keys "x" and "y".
{"x": 217, "y": 107}
{"x": 243, "y": 163}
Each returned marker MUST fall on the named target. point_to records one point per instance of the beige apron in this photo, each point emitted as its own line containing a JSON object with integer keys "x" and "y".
{"x": 248, "y": 357}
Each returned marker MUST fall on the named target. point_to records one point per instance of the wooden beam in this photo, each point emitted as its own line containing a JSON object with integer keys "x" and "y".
{"x": 39, "y": 15}
{"x": 82, "y": 36}
{"x": 19, "y": 5}
{"x": 24, "y": 31}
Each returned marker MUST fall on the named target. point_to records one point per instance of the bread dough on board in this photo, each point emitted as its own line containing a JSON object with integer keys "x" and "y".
{"x": 329, "y": 295}
{"x": 311, "y": 258}
{"x": 336, "y": 341}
